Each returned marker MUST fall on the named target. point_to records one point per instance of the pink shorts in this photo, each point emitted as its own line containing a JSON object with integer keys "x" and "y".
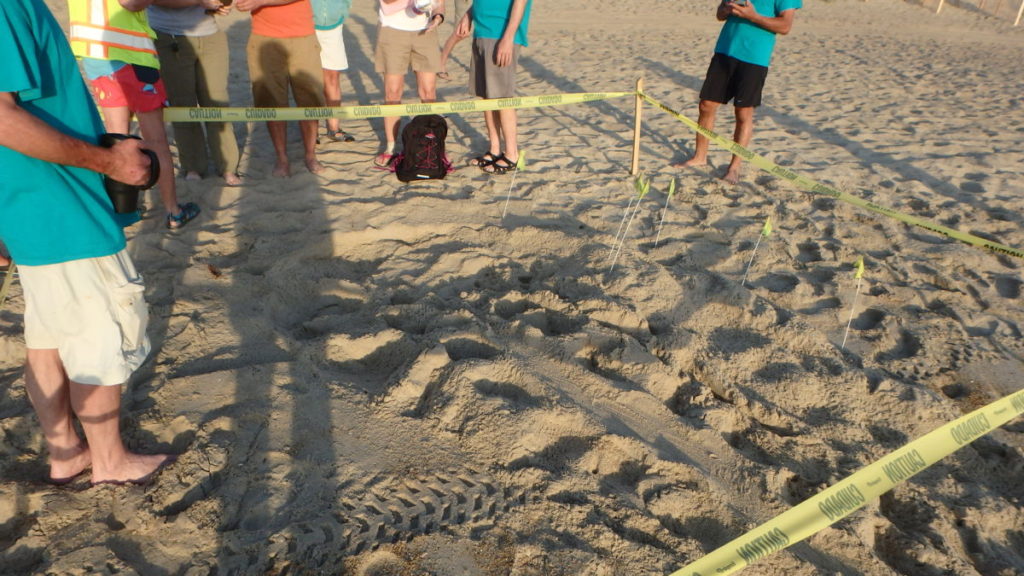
{"x": 139, "y": 88}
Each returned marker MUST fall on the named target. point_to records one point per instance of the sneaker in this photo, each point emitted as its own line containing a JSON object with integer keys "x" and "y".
{"x": 186, "y": 212}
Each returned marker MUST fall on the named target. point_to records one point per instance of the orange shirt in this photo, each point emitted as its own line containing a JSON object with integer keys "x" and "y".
{"x": 285, "y": 21}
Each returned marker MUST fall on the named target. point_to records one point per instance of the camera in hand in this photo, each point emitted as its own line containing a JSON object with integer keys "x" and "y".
{"x": 126, "y": 196}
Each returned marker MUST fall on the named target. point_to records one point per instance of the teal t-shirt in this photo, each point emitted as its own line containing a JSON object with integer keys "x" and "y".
{"x": 50, "y": 213}
{"x": 329, "y": 14}
{"x": 748, "y": 42}
{"x": 491, "y": 16}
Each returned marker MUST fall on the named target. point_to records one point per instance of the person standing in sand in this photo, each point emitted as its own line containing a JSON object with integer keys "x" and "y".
{"x": 115, "y": 43}
{"x": 283, "y": 52}
{"x": 406, "y": 36}
{"x": 329, "y": 20}
{"x": 194, "y": 61}
{"x": 85, "y": 317}
{"x": 499, "y": 29}
{"x": 738, "y": 69}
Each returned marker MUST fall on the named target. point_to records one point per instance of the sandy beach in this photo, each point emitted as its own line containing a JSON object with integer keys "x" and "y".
{"x": 372, "y": 378}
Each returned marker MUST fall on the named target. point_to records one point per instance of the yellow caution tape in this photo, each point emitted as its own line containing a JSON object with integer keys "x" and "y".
{"x": 839, "y": 501}
{"x": 8, "y": 278}
{"x": 816, "y": 187}
{"x": 356, "y": 112}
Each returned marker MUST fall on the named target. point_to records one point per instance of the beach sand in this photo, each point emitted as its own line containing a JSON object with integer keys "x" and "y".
{"x": 371, "y": 378}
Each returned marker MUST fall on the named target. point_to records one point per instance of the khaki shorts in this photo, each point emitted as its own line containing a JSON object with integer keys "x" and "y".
{"x": 332, "y": 49}
{"x": 277, "y": 63}
{"x": 487, "y": 79}
{"x": 398, "y": 49}
{"x": 92, "y": 312}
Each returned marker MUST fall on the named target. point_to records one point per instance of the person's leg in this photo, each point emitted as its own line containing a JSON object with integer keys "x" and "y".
{"x": 117, "y": 119}
{"x": 332, "y": 96}
{"x": 151, "y": 124}
{"x": 178, "y": 68}
{"x": 48, "y": 390}
{"x": 492, "y": 120}
{"x": 393, "y": 86}
{"x": 706, "y": 118}
{"x": 309, "y": 129}
{"x": 278, "y": 137}
{"x": 508, "y": 120}
{"x": 268, "y": 70}
{"x": 446, "y": 51}
{"x": 426, "y": 86}
{"x": 212, "y": 72}
{"x": 99, "y": 410}
{"x": 742, "y": 135}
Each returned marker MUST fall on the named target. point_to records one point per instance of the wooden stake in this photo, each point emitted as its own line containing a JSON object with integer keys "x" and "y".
{"x": 634, "y": 166}
{"x": 1020, "y": 13}
{"x": 939, "y": 9}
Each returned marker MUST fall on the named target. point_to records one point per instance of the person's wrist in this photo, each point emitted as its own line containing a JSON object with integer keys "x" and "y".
{"x": 436, "y": 14}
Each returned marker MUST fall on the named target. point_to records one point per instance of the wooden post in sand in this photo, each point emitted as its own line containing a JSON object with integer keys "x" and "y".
{"x": 634, "y": 166}
{"x": 939, "y": 9}
{"x": 1020, "y": 12}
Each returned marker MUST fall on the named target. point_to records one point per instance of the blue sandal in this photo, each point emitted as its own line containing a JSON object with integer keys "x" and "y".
{"x": 186, "y": 212}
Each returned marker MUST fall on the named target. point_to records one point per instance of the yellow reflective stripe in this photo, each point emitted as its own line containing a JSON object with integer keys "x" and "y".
{"x": 111, "y": 38}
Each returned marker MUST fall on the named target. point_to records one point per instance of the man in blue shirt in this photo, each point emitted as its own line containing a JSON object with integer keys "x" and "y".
{"x": 739, "y": 68}
{"x": 85, "y": 318}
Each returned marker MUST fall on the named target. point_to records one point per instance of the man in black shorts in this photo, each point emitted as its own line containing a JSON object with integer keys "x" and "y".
{"x": 739, "y": 68}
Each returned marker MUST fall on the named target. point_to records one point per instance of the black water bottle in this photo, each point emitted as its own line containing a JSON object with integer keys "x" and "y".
{"x": 126, "y": 196}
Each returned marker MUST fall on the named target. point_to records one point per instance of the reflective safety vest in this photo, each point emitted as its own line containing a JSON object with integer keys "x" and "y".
{"x": 103, "y": 29}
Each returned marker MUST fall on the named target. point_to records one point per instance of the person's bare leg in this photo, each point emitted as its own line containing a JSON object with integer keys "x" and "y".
{"x": 278, "y": 134}
{"x": 449, "y": 45}
{"x": 308, "y": 129}
{"x": 493, "y": 123}
{"x": 742, "y": 135}
{"x": 332, "y": 95}
{"x": 99, "y": 410}
{"x": 48, "y": 390}
{"x": 154, "y": 132}
{"x": 393, "y": 85}
{"x": 510, "y": 133}
{"x": 706, "y": 118}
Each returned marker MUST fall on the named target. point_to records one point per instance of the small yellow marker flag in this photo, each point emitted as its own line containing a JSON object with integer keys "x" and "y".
{"x": 767, "y": 230}
{"x": 860, "y": 268}
{"x": 672, "y": 188}
{"x": 521, "y": 163}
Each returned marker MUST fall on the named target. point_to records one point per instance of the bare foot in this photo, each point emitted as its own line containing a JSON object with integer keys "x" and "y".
{"x": 64, "y": 467}
{"x": 314, "y": 165}
{"x": 193, "y": 176}
{"x": 282, "y": 170}
{"x": 732, "y": 176}
{"x": 134, "y": 469}
{"x": 692, "y": 162}
{"x": 232, "y": 179}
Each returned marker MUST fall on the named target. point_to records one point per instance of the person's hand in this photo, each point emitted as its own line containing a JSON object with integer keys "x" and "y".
{"x": 434, "y": 22}
{"x": 248, "y": 5}
{"x": 464, "y": 27}
{"x": 503, "y": 52}
{"x": 743, "y": 10}
{"x": 211, "y": 5}
{"x": 127, "y": 163}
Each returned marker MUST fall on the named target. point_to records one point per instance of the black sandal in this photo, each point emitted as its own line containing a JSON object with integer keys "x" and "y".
{"x": 485, "y": 159}
{"x": 493, "y": 167}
